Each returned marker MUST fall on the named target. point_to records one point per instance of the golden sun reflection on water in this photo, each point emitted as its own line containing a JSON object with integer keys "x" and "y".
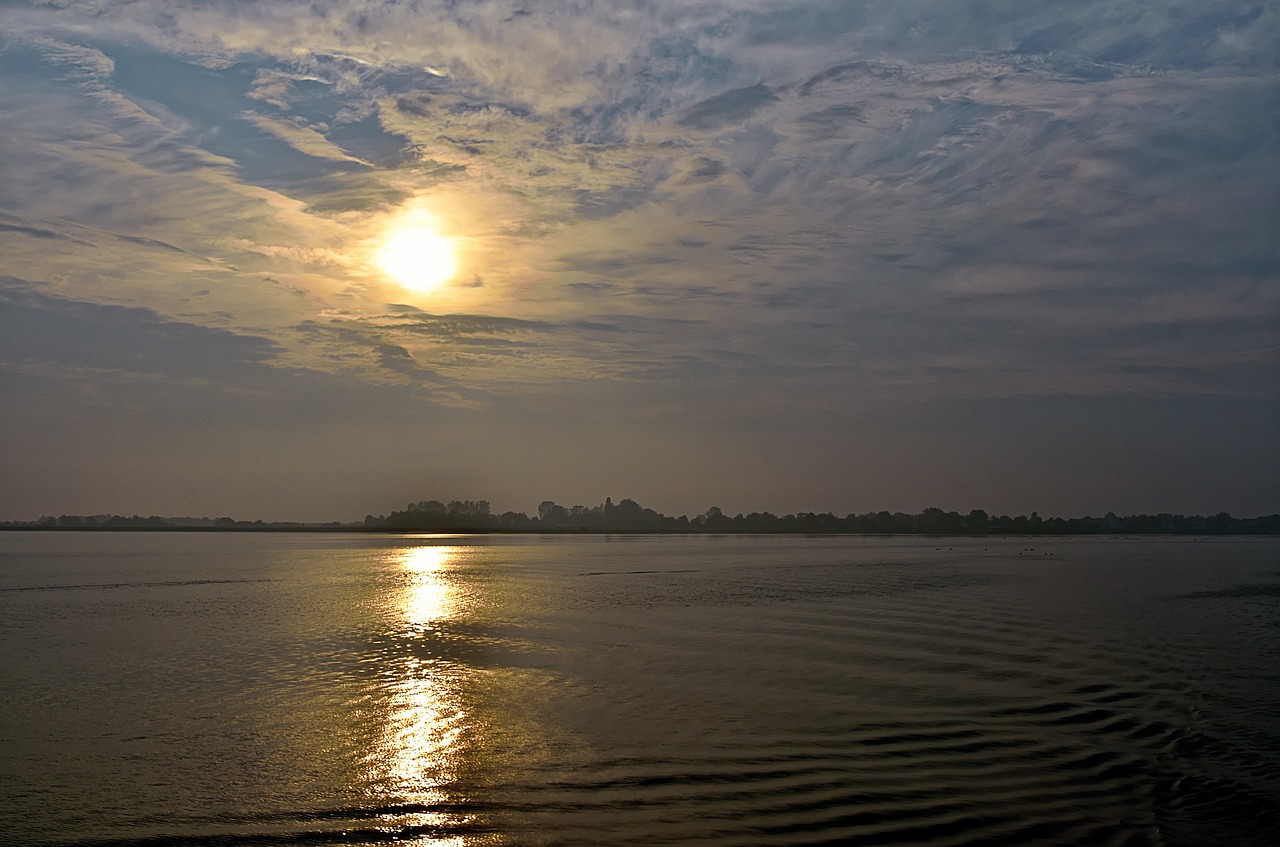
{"x": 418, "y": 753}
{"x": 428, "y": 598}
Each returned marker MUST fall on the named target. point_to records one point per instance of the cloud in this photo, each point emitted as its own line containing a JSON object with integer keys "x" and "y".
{"x": 58, "y": 331}
{"x": 900, "y": 202}
{"x": 304, "y": 139}
{"x": 14, "y": 224}
{"x": 727, "y": 108}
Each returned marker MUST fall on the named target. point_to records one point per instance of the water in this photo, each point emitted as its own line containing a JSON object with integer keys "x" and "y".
{"x": 241, "y": 689}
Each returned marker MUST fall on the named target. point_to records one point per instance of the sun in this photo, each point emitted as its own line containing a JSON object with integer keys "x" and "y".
{"x": 416, "y": 255}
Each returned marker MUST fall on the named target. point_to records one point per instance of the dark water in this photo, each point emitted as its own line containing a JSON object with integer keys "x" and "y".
{"x": 297, "y": 689}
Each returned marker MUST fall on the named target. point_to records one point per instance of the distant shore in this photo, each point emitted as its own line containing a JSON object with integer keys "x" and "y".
{"x": 629, "y": 517}
{"x": 359, "y": 530}
{"x": 1268, "y": 528}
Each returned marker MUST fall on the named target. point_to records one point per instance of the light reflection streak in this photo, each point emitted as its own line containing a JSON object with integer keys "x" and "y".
{"x": 428, "y": 597}
{"x": 419, "y": 750}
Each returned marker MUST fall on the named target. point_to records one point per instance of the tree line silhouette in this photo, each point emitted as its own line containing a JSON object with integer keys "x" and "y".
{"x": 628, "y": 516}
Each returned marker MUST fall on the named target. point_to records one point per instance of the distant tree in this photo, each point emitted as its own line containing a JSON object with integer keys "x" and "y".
{"x": 935, "y": 521}
{"x": 883, "y": 521}
{"x": 469, "y": 508}
{"x": 514, "y": 521}
{"x": 552, "y": 514}
{"x": 627, "y": 515}
{"x": 713, "y": 519}
{"x": 630, "y": 516}
{"x": 1219, "y": 523}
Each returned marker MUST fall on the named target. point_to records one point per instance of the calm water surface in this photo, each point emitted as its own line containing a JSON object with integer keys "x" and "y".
{"x": 241, "y": 689}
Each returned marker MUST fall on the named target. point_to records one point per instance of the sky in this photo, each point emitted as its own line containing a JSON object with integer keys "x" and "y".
{"x": 818, "y": 255}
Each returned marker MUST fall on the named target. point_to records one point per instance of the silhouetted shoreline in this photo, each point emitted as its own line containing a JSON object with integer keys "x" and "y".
{"x": 629, "y": 517}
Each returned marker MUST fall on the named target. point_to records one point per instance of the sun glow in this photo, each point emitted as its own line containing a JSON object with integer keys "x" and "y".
{"x": 415, "y": 254}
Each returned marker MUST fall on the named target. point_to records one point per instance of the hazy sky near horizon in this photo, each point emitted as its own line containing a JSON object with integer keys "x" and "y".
{"x": 802, "y": 255}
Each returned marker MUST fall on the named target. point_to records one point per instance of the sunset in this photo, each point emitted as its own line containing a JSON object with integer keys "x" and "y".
{"x": 415, "y": 255}
{"x": 815, "y": 256}
{"x": 494, "y": 422}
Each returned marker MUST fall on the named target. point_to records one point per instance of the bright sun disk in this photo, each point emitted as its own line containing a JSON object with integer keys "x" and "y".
{"x": 417, "y": 256}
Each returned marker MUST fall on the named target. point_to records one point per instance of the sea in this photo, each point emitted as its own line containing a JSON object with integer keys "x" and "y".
{"x": 228, "y": 689}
